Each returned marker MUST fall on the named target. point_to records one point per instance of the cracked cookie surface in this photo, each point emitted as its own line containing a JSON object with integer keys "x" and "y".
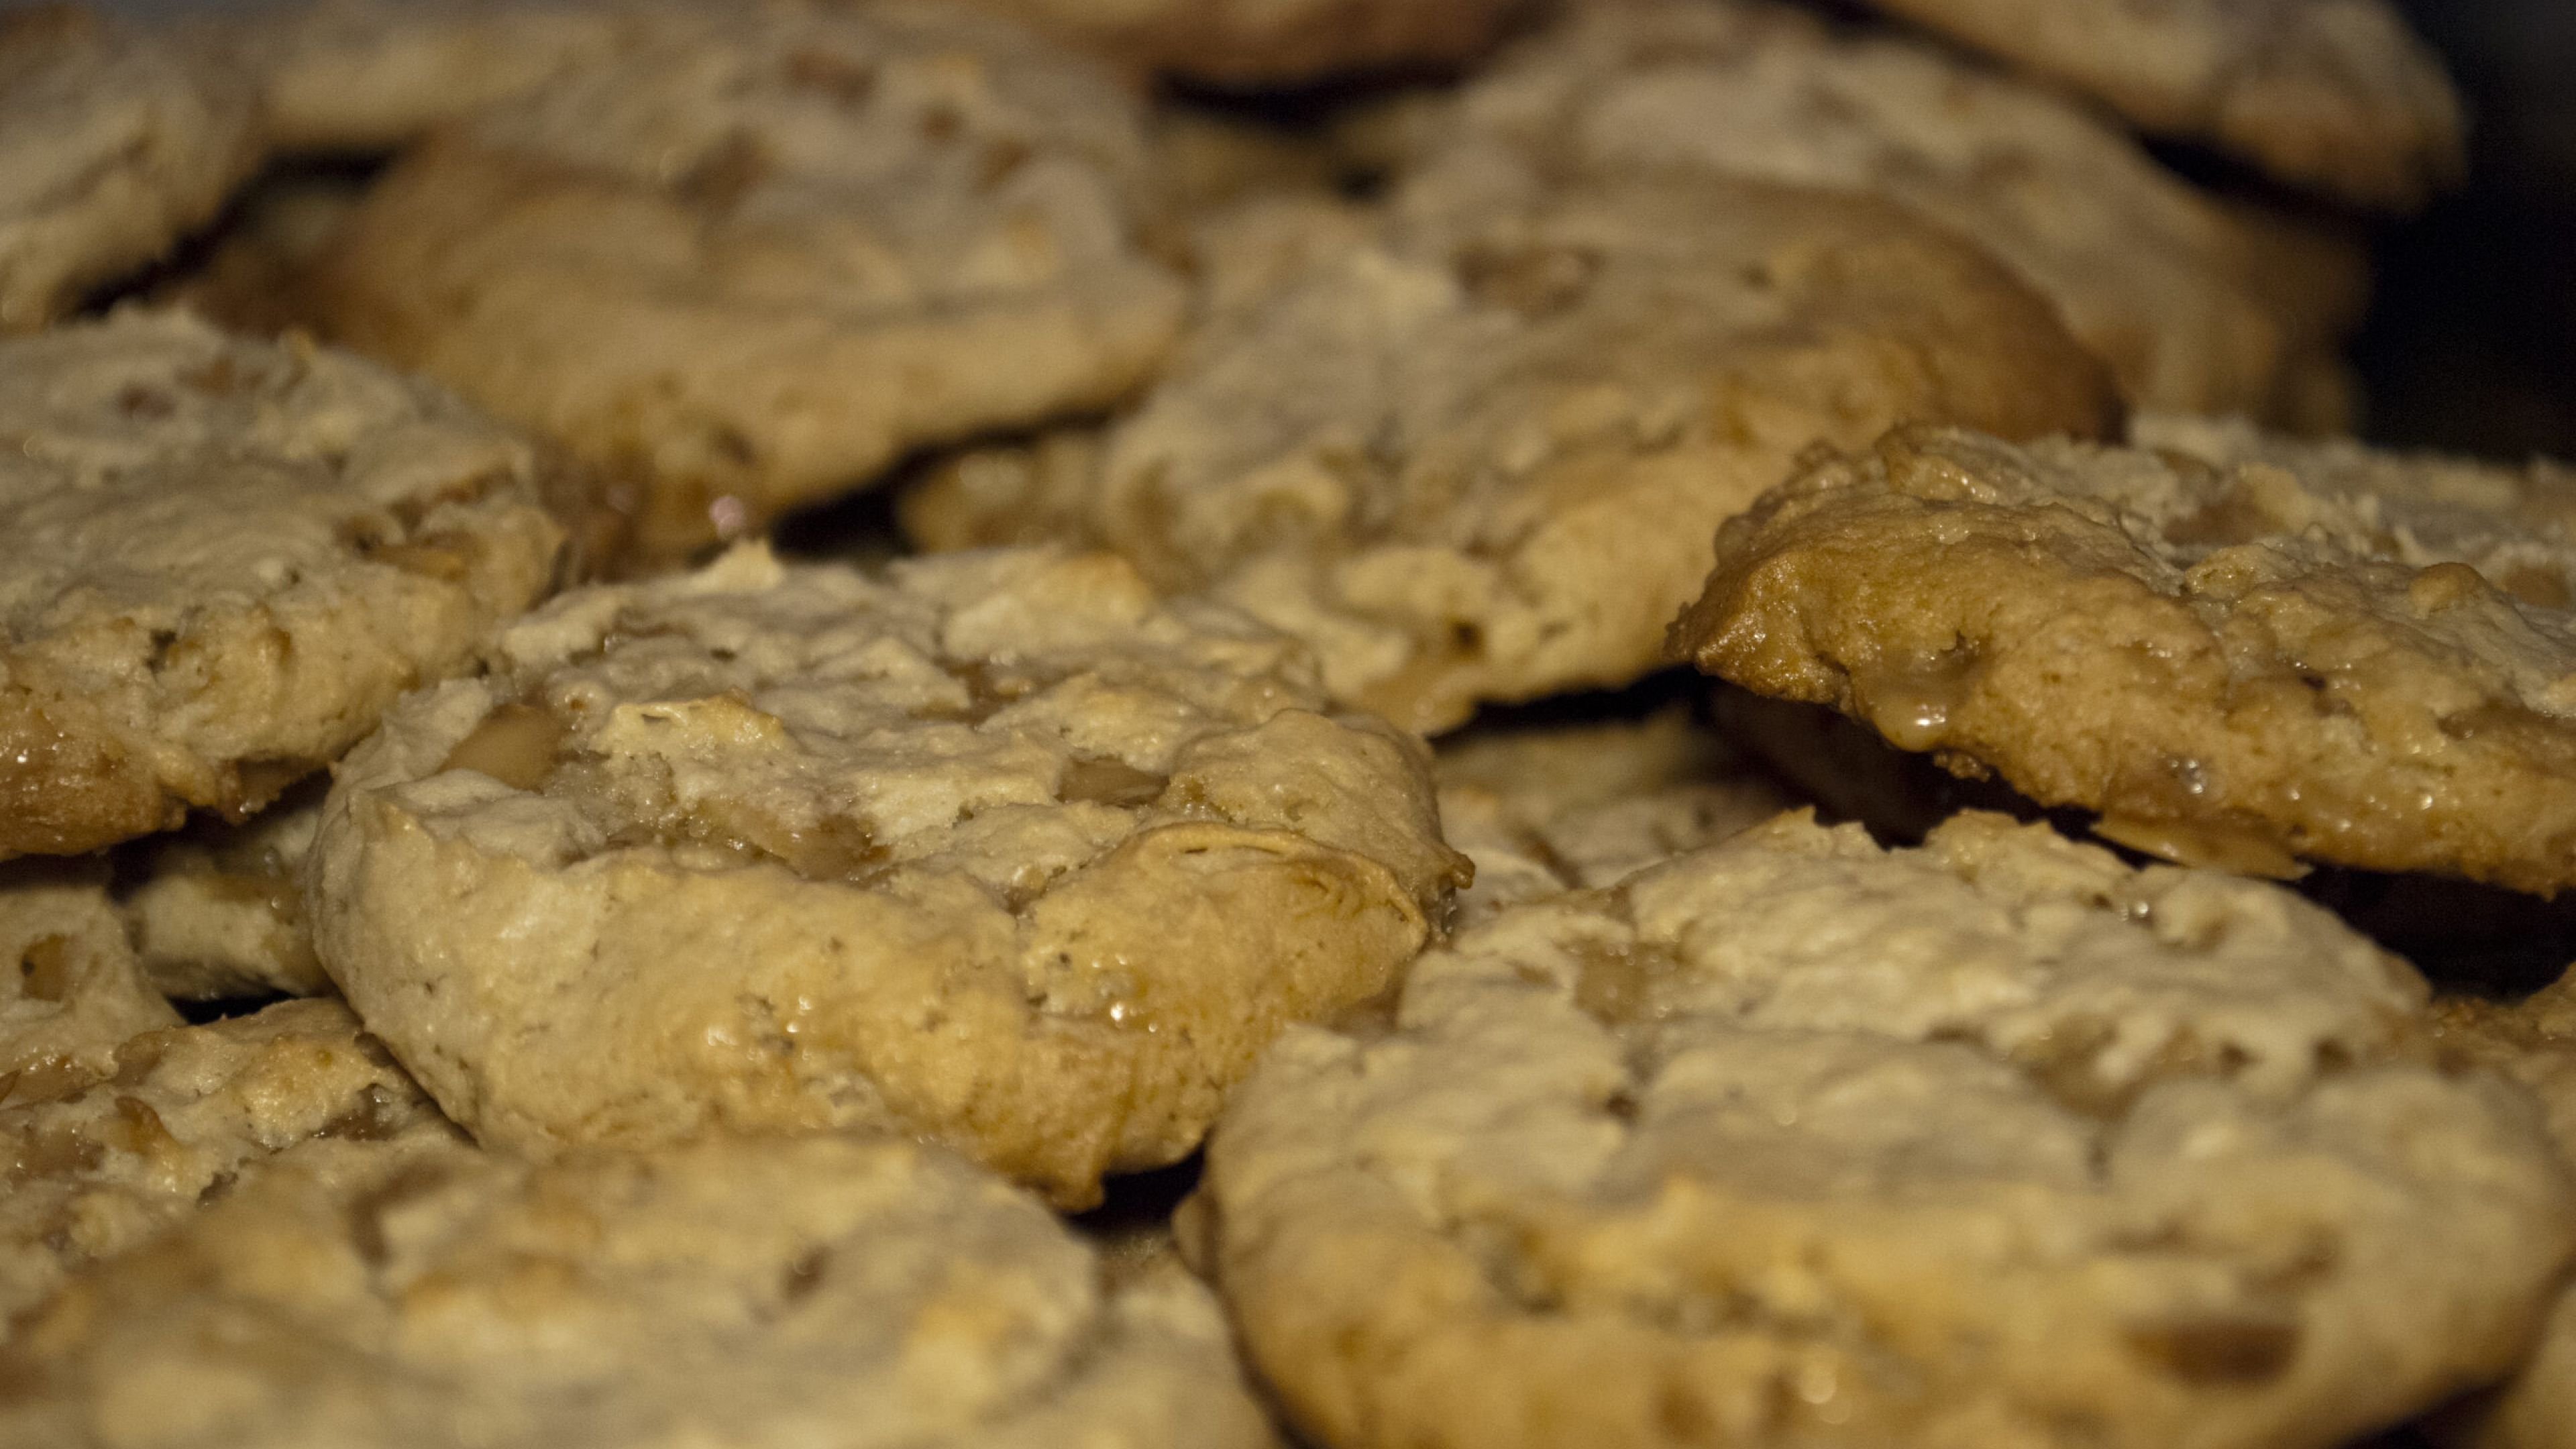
{"x": 2333, "y": 94}
{"x": 996, "y": 847}
{"x": 226, "y": 557}
{"x": 751, "y": 263}
{"x": 747, "y": 1293}
{"x": 1796, "y": 1141}
{"x": 1477, "y": 460}
{"x": 2239, "y": 650}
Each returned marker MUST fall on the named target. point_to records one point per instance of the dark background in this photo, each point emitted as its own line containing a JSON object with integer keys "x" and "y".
{"x": 2472, "y": 343}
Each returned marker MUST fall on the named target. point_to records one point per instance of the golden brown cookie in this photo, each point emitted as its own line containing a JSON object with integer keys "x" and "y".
{"x": 225, "y": 558}
{"x": 754, "y": 262}
{"x": 2334, "y": 94}
{"x": 2241, "y": 655}
{"x": 995, "y": 847}
{"x": 1471, "y": 462}
{"x": 1795, "y": 1141}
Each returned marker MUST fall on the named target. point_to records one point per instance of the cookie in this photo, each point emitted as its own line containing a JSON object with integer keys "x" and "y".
{"x": 113, "y": 145}
{"x": 1272, "y": 43}
{"x": 360, "y": 76}
{"x": 1799, "y": 1141}
{"x": 2532, "y": 1041}
{"x": 2242, "y": 659}
{"x": 71, "y": 991}
{"x": 2333, "y": 94}
{"x": 216, "y": 911}
{"x": 1545, "y": 810}
{"x": 226, "y": 558}
{"x": 1478, "y": 462}
{"x": 856, "y": 1292}
{"x": 2197, "y": 306}
{"x": 255, "y": 277}
{"x": 104, "y": 1163}
{"x": 756, "y": 265}
{"x": 995, "y": 848}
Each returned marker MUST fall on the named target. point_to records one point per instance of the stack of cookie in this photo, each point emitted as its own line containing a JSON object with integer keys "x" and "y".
{"x": 804, "y": 722}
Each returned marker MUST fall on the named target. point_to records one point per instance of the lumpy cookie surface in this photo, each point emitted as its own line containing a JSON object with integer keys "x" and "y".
{"x": 114, "y": 143}
{"x": 1795, "y": 1141}
{"x": 1543, "y": 810}
{"x": 2244, "y": 655}
{"x": 755, "y": 260}
{"x": 1271, "y": 42}
{"x": 743, "y": 1294}
{"x": 1473, "y": 461}
{"x": 2196, "y": 304}
{"x": 998, "y": 848}
{"x": 106, "y": 1160}
{"x": 225, "y": 558}
{"x": 2334, "y": 94}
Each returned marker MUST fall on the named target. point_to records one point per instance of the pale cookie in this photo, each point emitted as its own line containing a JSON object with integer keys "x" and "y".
{"x": 373, "y": 75}
{"x": 1255, "y": 43}
{"x": 113, "y": 144}
{"x": 755, "y": 266}
{"x": 2334, "y": 94}
{"x": 2196, "y": 306}
{"x": 1542, "y": 811}
{"x": 2290, "y": 651}
{"x": 867, "y": 1294}
{"x": 1480, "y": 462}
{"x": 995, "y": 848}
{"x": 2533, "y": 1042}
{"x": 225, "y": 558}
{"x": 1795, "y": 1141}
{"x": 71, "y": 991}
{"x": 102, "y": 1166}
{"x": 217, "y": 911}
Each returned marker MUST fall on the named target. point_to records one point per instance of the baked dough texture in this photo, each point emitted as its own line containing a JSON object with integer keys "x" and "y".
{"x": 1795, "y": 1141}
{"x": 1476, "y": 461}
{"x": 753, "y": 263}
{"x": 216, "y": 912}
{"x": 1543, "y": 809}
{"x": 750, "y": 1294}
{"x": 114, "y": 143}
{"x": 225, "y": 558}
{"x": 1253, "y": 43}
{"x": 71, "y": 992}
{"x": 2533, "y": 1041}
{"x": 2198, "y": 305}
{"x": 2241, "y": 655}
{"x": 2337, "y": 95}
{"x": 996, "y": 847}
{"x": 104, "y": 1162}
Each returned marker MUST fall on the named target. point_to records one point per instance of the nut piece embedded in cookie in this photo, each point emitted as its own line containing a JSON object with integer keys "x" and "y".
{"x": 995, "y": 847}
{"x": 755, "y": 1294}
{"x": 1478, "y": 462}
{"x": 2196, "y": 303}
{"x": 225, "y": 558}
{"x": 1797, "y": 1141}
{"x": 103, "y": 1164}
{"x": 754, "y": 261}
{"x": 113, "y": 145}
{"x": 2243, "y": 655}
{"x": 2333, "y": 94}
{"x": 71, "y": 991}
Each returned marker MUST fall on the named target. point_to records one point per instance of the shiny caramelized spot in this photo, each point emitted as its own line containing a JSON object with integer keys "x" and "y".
{"x": 515, "y": 744}
{"x": 1911, "y": 701}
{"x": 2220, "y": 1351}
{"x": 136, "y": 1059}
{"x": 1109, "y": 782}
{"x": 446, "y": 562}
{"x": 2537, "y": 585}
{"x": 2442, "y": 587}
{"x": 1619, "y": 984}
{"x": 1534, "y": 281}
{"x": 48, "y": 1078}
{"x": 141, "y": 1128}
{"x": 53, "y": 1151}
{"x": 2242, "y": 850}
{"x": 374, "y": 1117}
{"x": 45, "y": 968}
{"x": 849, "y": 82}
